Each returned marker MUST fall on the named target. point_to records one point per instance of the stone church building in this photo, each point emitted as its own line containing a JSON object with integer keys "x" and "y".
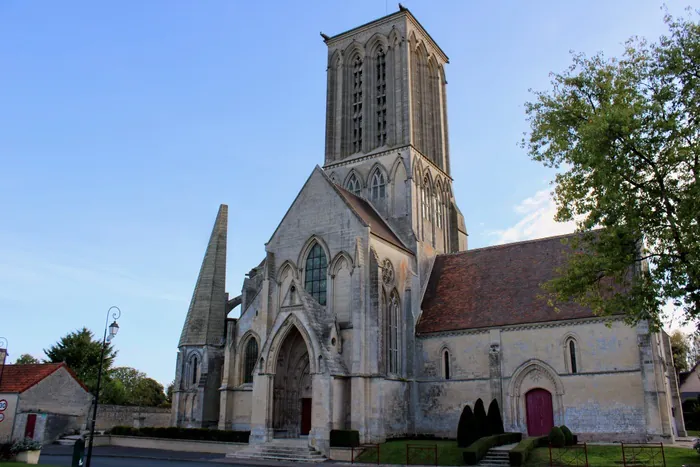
{"x": 369, "y": 312}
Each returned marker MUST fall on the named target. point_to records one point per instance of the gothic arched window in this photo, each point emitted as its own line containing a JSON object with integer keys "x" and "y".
{"x": 378, "y": 185}
{"x": 354, "y": 185}
{"x": 316, "y": 271}
{"x": 357, "y": 105}
{"x": 446, "y": 364}
{"x": 251, "y": 356}
{"x": 381, "y": 97}
{"x": 193, "y": 370}
{"x": 425, "y": 197}
{"x": 572, "y": 355}
{"x": 438, "y": 207}
{"x": 393, "y": 320}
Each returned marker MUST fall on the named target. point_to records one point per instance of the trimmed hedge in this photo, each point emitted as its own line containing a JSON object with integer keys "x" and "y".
{"x": 478, "y": 449}
{"x": 519, "y": 454}
{"x": 493, "y": 418}
{"x": 556, "y": 437}
{"x": 568, "y": 435}
{"x": 345, "y": 438}
{"x": 198, "y": 434}
{"x": 465, "y": 428}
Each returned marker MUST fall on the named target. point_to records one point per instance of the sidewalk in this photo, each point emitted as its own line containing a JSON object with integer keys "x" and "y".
{"x": 137, "y": 453}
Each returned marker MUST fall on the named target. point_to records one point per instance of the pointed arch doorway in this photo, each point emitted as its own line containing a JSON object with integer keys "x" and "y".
{"x": 292, "y": 404}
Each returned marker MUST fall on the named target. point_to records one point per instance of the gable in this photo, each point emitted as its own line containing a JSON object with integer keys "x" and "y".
{"x": 20, "y": 378}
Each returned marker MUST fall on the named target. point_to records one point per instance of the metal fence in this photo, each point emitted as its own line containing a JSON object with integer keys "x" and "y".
{"x": 421, "y": 454}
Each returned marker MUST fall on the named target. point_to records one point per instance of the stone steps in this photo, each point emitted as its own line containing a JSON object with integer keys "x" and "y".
{"x": 495, "y": 458}
{"x": 280, "y": 450}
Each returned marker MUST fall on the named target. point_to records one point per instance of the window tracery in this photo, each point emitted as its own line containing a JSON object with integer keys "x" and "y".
{"x": 354, "y": 185}
{"x": 316, "y": 272}
{"x": 381, "y": 97}
{"x": 251, "y": 356}
{"x": 357, "y": 105}
{"x": 378, "y": 185}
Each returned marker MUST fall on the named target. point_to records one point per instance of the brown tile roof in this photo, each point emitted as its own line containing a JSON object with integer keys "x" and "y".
{"x": 371, "y": 217}
{"x": 494, "y": 286}
{"x": 19, "y": 378}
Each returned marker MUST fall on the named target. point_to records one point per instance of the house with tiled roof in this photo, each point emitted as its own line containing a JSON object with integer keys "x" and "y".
{"x": 369, "y": 311}
{"x": 41, "y": 402}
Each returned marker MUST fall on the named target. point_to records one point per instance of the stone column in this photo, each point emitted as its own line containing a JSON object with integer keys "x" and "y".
{"x": 321, "y": 413}
{"x": 261, "y": 430}
{"x": 495, "y": 376}
{"x": 651, "y": 397}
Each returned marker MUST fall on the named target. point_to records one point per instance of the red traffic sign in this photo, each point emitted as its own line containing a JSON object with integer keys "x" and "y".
{"x": 3, "y": 405}
{"x": 2, "y": 417}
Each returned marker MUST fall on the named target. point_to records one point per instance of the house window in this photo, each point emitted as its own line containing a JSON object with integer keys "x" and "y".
{"x": 357, "y": 105}
{"x": 378, "y": 185}
{"x": 251, "y": 356}
{"x": 381, "y": 98}
{"x": 572, "y": 356}
{"x": 316, "y": 271}
{"x": 354, "y": 185}
{"x": 394, "y": 314}
{"x": 446, "y": 363}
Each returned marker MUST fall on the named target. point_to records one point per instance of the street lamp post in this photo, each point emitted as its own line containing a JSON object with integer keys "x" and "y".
{"x": 113, "y": 329}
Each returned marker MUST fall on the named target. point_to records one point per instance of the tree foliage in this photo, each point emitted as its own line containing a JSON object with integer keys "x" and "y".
{"x": 480, "y": 419}
{"x": 81, "y": 353}
{"x": 464, "y": 427}
{"x": 680, "y": 348}
{"x": 138, "y": 389}
{"x": 494, "y": 420}
{"x": 623, "y": 134}
{"x": 26, "y": 359}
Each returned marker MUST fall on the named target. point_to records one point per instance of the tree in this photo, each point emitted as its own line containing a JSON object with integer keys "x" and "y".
{"x": 680, "y": 348}
{"x": 81, "y": 353}
{"x": 464, "y": 437}
{"x": 26, "y": 359}
{"x": 138, "y": 388}
{"x": 480, "y": 419}
{"x": 493, "y": 416}
{"x": 623, "y": 134}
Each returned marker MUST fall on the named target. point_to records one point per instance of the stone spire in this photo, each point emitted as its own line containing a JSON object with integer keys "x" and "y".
{"x": 206, "y": 317}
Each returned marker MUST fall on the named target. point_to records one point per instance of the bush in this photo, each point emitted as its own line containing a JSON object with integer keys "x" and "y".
{"x": 493, "y": 418}
{"x": 345, "y": 438}
{"x": 465, "y": 423}
{"x": 199, "y": 434}
{"x": 519, "y": 454}
{"x": 568, "y": 435}
{"x": 556, "y": 438}
{"x": 478, "y": 449}
{"x": 6, "y": 451}
{"x": 25, "y": 444}
{"x": 482, "y": 428}
{"x": 696, "y": 445}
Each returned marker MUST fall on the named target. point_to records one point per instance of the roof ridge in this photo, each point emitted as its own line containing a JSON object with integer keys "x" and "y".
{"x": 511, "y": 244}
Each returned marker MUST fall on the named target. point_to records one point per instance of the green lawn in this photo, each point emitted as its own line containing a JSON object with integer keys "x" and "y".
{"x": 612, "y": 455}
{"x": 694, "y": 433}
{"x": 394, "y": 452}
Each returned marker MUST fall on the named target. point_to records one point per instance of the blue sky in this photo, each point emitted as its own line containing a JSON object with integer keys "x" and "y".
{"x": 124, "y": 125}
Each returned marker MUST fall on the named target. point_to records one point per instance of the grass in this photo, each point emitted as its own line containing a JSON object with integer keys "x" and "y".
{"x": 394, "y": 452}
{"x": 612, "y": 456}
{"x": 695, "y": 433}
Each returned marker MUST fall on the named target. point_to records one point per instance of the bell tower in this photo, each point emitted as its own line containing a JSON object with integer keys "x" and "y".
{"x": 386, "y": 128}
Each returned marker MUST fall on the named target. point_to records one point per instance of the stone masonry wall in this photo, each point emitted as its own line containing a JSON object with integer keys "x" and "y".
{"x": 109, "y": 416}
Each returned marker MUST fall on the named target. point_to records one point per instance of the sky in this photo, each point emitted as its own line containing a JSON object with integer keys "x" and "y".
{"x": 124, "y": 125}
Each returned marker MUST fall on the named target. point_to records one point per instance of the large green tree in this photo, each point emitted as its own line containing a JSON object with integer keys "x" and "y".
{"x": 623, "y": 134}
{"x": 139, "y": 389}
{"x": 81, "y": 352}
{"x": 680, "y": 348}
{"x": 26, "y": 359}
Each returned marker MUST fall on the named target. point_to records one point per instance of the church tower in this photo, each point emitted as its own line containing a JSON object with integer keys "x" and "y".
{"x": 201, "y": 348}
{"x": 386, "y": 128}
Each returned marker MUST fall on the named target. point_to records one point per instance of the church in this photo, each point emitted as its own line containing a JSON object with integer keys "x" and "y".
{"x": 369, "y": 312}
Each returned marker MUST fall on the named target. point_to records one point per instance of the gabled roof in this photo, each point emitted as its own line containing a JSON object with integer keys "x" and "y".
{"x": 370, "y": 217}
{"x": 19, "y": 378}
{"x": 495, "y": 286}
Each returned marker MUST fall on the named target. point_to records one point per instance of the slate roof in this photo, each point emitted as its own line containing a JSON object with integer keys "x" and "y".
{"x": 19, "y": 378}
{"x": 495, "y": 286}
{"x": 371, "y": 217}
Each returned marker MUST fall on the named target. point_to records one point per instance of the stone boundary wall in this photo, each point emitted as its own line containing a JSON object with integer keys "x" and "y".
{"x": 109, "y": 416}
{"x": 182, "y": 445}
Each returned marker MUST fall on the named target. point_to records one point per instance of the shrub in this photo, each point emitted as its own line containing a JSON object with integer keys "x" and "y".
{"x": 568, "y": 435}
{"x": 696, "y": 445}
{"x": 6, "y": 451}
{"x": 25, "y": 444}
{"x": 345, "y": 438}
{"x": 199, "y": 434}
{"x": 465, "y": 422}
{"x": 519, "y": 454}
{"x": 493, "y": 418}
{"x": 556, "y": 438}
{"x": 478, "y": 449}
{"x": 482, "y": 428}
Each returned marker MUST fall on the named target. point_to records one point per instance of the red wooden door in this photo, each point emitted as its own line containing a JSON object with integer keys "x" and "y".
{"x": 540, "y": 416}
{"x": 31, "y": 423}
{"x": 305, "y": 416}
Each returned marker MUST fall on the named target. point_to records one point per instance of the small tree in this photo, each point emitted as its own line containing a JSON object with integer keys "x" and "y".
{"x": 556, "y": 438}
{"x": 481, "y": 422}
{"x": 465, "y": 422}
{"x": 26, "y": 359}
{"x": 493, "y": 417}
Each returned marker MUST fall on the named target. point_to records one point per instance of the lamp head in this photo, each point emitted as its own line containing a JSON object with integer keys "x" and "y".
{"x": 113, "y": 329}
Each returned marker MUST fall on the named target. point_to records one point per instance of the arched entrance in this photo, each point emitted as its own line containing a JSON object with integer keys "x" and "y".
{"x": 540, "y": 415}
{"x": 291, "y": 415}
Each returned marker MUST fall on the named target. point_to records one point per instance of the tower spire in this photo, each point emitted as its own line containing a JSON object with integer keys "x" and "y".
{"x": 206, "y": 316}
